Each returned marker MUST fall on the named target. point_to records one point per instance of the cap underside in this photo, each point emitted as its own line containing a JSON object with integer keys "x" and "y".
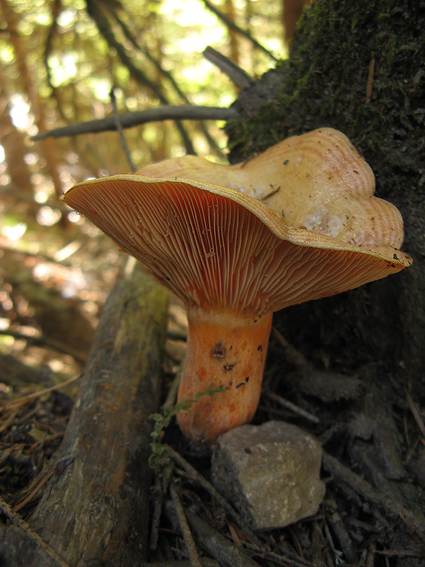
{"x": 214, "y": 246}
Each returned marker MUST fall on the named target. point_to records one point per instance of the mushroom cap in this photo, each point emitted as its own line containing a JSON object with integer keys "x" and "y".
{"x": 316, "y": 181}
{"x": 214, "y": 246}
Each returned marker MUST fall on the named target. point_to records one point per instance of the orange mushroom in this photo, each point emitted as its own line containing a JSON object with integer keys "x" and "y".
{"x": 234, "y": 260}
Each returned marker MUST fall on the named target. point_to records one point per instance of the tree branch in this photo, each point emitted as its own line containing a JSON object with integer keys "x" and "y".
{"x": 130, "y": 119}
{"x": 226, "y": 66}
{"x": 231, "y": 24}
{"x": 96, "y": 13}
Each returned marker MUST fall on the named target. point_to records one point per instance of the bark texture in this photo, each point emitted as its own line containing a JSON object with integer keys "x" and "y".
{"x": 95, "y": 509}
{"x": 357, "y": 67}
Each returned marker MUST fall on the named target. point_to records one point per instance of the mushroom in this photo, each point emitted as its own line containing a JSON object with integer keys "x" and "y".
{"x": 234, "y": 260}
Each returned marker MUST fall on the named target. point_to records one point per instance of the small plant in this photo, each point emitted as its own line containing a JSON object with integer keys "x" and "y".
{"x": 159, "y": 459}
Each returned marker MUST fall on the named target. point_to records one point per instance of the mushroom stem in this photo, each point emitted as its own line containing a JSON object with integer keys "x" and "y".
{"x": 227, "y": 349}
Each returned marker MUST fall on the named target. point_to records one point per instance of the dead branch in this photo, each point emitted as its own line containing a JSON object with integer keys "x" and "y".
{"x": 234, "y": 72}
{"x": 130, "y": 119}
{"x": 96, "y": 509}
{"x": 292, "y": 407}
{"x": 389, "y": 506}
{"x": 187, "y": 535}
{"x": 226, "y": 553}
{"x": 95, "y": 11}
{"x": 179, "y": 460}
{"x": 231, "y": 25}
{"x": 120, "y": 131}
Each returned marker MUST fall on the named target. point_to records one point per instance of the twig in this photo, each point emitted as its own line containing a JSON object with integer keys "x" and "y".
{"x": 415, "y": 413}
{"x": 289, "y": 405}
{"x": 158, "y": 499}
{"x": 231, "y": 24}
{"x": 30, "y": 496}
{"x": 237, "y": 75}
{"x": 342, "y": 535}
{"x": 170, "y": 400}
{"x": 187, "y": 535}
{"x": 30, "y": 397}
{"x": 419, "y": 552}
{"x": 392, "y": 508}
{"x": 227, "y": 554}
{"x": 214, "y": 493}
{"x": 131, "y": 119}
{"x": 369, "y": 84}
{"x": 120, "y": 130}
{"x": 286, "y": 556}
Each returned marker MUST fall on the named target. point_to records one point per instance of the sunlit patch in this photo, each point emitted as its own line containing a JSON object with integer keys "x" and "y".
{"x": 19, "y": 112}
{"x": 40, "y": 272}
{"x": 75, "y": 217}
{"x": 4, "y": 179}
{"x": 31, "y": 159}
{"x": 14, "y": 232}
{"x": 46, "y": 216}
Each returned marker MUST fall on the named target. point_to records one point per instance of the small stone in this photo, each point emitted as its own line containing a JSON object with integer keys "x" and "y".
{"x": 271, "y": 473}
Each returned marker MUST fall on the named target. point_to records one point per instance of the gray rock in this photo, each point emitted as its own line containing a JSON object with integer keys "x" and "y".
{"x": 269, "y": 472}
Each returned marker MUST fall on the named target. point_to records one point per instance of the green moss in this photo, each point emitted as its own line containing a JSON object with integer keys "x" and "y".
{"x": 325, "y": 84}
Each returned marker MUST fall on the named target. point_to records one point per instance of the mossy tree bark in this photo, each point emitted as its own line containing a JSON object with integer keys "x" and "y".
{"x": 357, "y": 67}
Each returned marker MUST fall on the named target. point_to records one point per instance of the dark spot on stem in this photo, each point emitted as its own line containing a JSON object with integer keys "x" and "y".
{"x": 260, "y": 348}
{"x": 229, "y": 366}
{"x": 219, "y": 351}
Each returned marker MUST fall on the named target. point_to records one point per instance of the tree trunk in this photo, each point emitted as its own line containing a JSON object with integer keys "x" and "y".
{"x": 95, "y": 508}
{"x": 357, "y": 67}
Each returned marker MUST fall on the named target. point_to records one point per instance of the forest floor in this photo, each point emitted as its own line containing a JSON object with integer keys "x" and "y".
{"x": 373, "y": 439}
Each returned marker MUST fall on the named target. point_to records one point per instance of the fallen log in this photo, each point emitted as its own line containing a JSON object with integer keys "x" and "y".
{"x": 95, "y": 507}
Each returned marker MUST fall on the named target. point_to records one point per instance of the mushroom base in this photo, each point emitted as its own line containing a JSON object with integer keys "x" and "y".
{"x": 223, "y": 349}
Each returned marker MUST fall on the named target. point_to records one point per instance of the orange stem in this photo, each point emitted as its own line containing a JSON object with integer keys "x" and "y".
{"x": 223, "y": 349}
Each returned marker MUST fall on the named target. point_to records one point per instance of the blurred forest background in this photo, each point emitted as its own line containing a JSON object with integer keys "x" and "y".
{"x": 59, "y": 61}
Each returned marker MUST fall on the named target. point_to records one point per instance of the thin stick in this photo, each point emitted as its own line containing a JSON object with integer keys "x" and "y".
{"x": 231, "y": 24}
{"x": 158, "y": 499}
{"x": 289, "y": 405}
{"x": 416, "y": 414}
{"x": 369, "y": 84}
{"x": 36, "y": 395}
{"x": 34, "y": 492}
{"x": 131, "y": 119}
{"x": 391, "y": 507}
{"x": 187, "y": 535}
{"x": 120, "y": 130}
{"x": 285, "y": 556}
{"x": 214, "y": 493}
